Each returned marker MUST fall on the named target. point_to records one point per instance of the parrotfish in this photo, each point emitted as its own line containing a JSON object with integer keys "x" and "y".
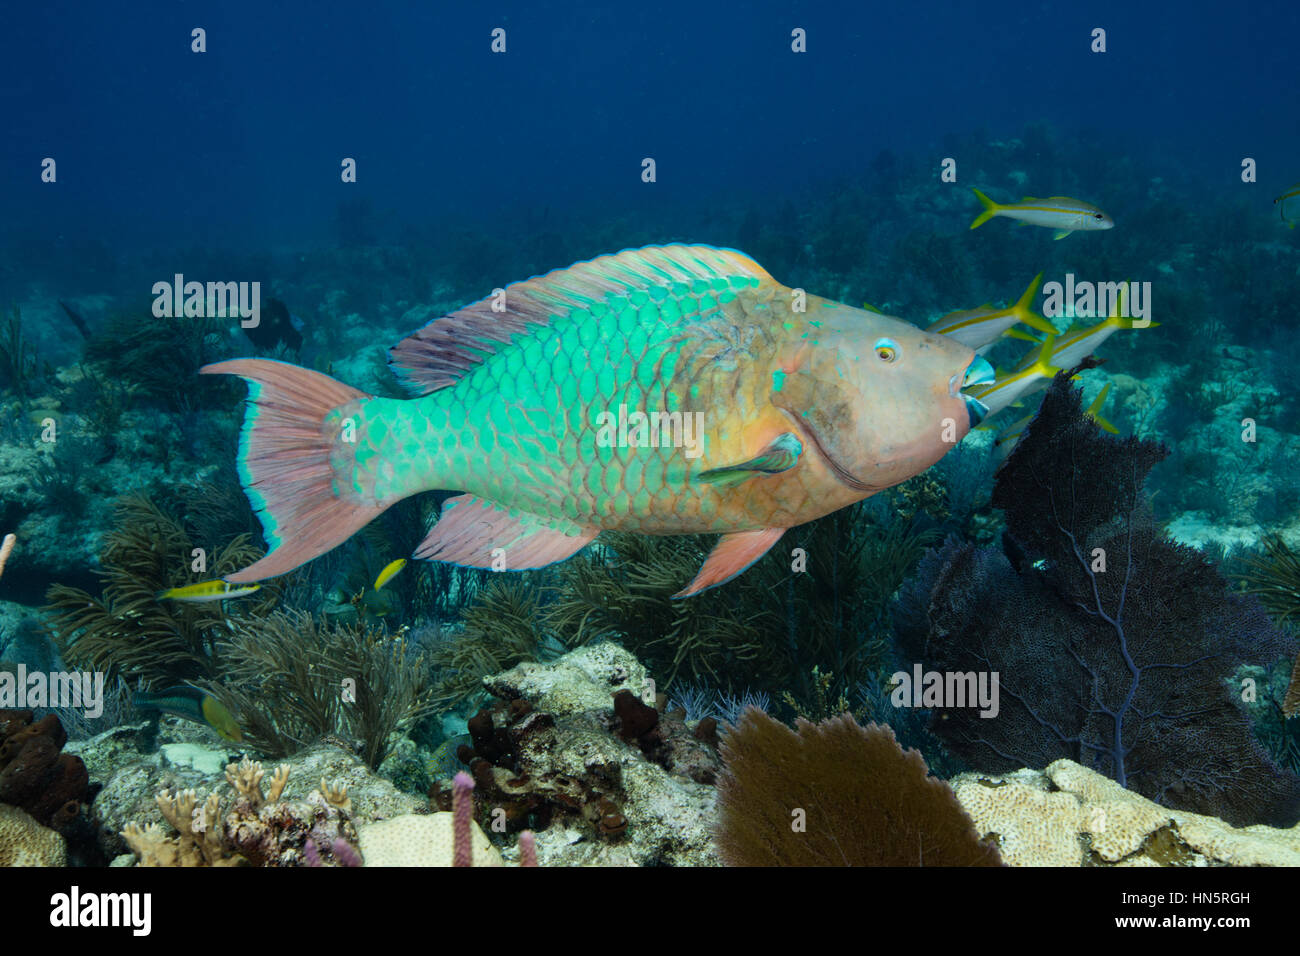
{"x": 981, "y": 328}
{"x": 1061, "y": 213}
{"x": 665, "y": 390}
{"x": 193, "y": 704}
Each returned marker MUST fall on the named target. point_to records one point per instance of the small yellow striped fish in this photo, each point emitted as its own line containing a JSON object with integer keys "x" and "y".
{"x": 217, "y": 590}
{"x": 980, "y": 328}
{"x": 391, "y": 570}
{"x": 1038, "y": 369}
{"x": 1077, "y": 343}
{"x": 1007, "y": 438}
{"x": 1288, "y": 206}
{"x": 1061, "y": 213}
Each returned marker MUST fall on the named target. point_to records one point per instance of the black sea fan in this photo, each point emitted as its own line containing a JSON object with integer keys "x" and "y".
{"x": 1114, "y": 644}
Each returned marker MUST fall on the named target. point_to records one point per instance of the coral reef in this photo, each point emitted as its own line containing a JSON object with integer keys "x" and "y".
{"x": 1113, "y": 643}
{"x": 836, "y": 794}
{"x": 819, "y": 604}
{"x": 1275, "y": 577}
{"x": 126, "y": 631}
{"x": 1069, "y": 815}
{"x": 550, "y": 755}
{"x": 34, "y": 772}
{"x": 351, "y": 792}
{"x": 259, "y": 829}
{"x": 24, "y": 842}
{"x": 422, "y": 840}
{"x": 293, "y": 679}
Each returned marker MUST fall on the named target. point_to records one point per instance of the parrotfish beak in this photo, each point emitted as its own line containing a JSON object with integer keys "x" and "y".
{"x": 979, "y": 372}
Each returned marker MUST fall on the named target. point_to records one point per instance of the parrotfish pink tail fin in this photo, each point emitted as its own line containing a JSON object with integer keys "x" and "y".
{"x": 990, "y": 209}
{"x": 284, "y": 464}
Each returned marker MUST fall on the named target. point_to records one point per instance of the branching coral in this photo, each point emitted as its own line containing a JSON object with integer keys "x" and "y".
{"x": 258, "y": 829}
{"x": 159, "y": 358}
{"x": 816, "y": 600}
{"x": 19, "y": 366}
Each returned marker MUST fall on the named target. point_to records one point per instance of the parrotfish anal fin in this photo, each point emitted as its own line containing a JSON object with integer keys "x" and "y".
{"x": 471, "y": 529}
{"x": 447, "y": 348}
{"x": 730, "y": 556}
{"x": 781, "y": 454}
{"x": 1061, "y": 233}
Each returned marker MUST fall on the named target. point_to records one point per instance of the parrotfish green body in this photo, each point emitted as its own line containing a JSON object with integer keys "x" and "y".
{"x": 663, "y": 390}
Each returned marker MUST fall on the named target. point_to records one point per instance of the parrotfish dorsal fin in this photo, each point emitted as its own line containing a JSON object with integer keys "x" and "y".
{"x": 780, "y": 454}
{"x": 730, "y": 556}
{"x": 471, "y": 529}
{"x": 445, "y": 349}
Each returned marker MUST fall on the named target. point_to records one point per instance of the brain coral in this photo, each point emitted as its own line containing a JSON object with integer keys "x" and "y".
{"x": 24, "y": 842}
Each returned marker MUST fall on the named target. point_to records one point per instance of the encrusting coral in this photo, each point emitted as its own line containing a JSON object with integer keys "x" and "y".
{"x": 24, "y": 842}
{"x": 836, "y": 794}
{"x": 1069, "y": 815}
{"x": 259, "y": 829}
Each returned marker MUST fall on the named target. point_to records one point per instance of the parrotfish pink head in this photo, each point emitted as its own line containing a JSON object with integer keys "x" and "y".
{"x": 664, "y": 390}
{"x": 880, "y": 398}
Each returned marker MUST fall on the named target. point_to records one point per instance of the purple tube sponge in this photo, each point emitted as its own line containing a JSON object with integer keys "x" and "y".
{"x": 462, "y": 808}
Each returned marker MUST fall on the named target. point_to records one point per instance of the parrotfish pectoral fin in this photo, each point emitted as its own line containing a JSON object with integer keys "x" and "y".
{"x": 1061, "y": 233}
{"x": 284, "y": 464}
{"x": 478, "y": 533}
{"x": 781, "y": 454}
{"x": 730, "y": 556}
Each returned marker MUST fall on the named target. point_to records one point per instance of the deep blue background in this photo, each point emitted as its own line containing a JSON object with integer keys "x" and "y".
{"x": 157, "y": 145}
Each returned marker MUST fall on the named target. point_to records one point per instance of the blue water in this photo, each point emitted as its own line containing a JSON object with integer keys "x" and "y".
{"x": 477, "y": 168}
{"x": 159, "y": 146}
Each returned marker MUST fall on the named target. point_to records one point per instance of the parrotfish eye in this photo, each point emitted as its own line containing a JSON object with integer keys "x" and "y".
{"x": 1098, "y": 216}
{"x": 886, "y": 350}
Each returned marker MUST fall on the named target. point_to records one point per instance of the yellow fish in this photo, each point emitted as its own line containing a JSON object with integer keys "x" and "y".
{"x": 1007, "y": 438}
{"x": 1061, "y": 213}
{"x": 1076, "y": 344}
{"x": 1035, "y": 372}
{"x": 217, "y": 590}
{"x": 1288, "y": 206}
{"x": 391, "y": 570}
{"x": 980, "y": 328}
{"x": 193, "y": 704}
